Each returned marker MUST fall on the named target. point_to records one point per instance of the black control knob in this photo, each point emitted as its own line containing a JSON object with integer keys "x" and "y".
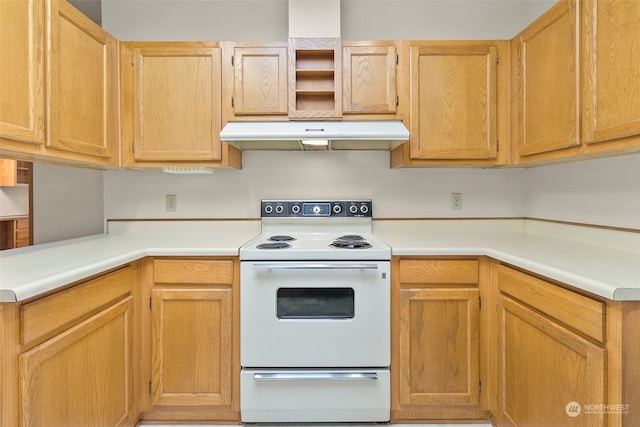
{"x": 268, "y": 209}
{"x": 364, "y": 209}
{"x": 337, "y": 208}
{"x": 279, "y": 209}
{"x": 295, "y": 209}
{"x": 353, "y": 209}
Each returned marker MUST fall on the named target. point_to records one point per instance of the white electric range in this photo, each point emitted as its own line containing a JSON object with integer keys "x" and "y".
{"x": 315, "y": 315}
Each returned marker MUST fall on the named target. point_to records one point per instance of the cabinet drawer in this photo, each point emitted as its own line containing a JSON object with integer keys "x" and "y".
{"x": 22, "y": 234}
{"x": 22, "y": 224}
{"x": 191, "y": 271}
{"x": 20, "y": 243}
{"x": 582, "y": 313}
{"x": 47, "y": 316}
{"x": 438, "y": 271}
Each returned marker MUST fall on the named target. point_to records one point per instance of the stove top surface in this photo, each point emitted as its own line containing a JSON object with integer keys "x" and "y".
{"x": 310, "y": 230}
{"x": 334, "y": 246}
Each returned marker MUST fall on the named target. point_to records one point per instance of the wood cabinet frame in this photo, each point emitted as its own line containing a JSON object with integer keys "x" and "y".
{"x": 259, "y": 69}
{"x": 369, "y": 78}
{"x": 81, "y": 123}
{"x": 25, "y": 85}
{"x": 611, "y": 70}
{"x": 493, "y": 148}
{"x": 190, "y": 283}
{"x": 545, "y": 73}
{"x": 450, "y": 284}
{"x": 135, "y": 118}
{"x": 55, "y": 326}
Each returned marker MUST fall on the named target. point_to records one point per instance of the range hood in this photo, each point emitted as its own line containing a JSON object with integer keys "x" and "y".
{"x": 316, "y": 135}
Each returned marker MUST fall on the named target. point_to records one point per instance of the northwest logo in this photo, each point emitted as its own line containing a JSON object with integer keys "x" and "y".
{"x": 573, "y": 409}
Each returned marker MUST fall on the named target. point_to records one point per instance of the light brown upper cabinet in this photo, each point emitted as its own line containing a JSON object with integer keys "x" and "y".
{"x": 611, "y": 71}
{"x": 576, "y": 72}
{"x": 76, "y": 92}
{"x": 22, "y": 74}
{"x": 83, "y": 92}
{"x": 456, "y": 96}
{"x": 546, "y": 79}
{"x": 453, "y": 102}
{"x": 315, "y": 78}
{"x": 171, "y": 104}
{"x": 369, "y": 78}
{"x": 259, "y": 79}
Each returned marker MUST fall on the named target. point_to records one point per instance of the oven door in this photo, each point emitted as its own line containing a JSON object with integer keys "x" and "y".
{"x": 315, "y": 314}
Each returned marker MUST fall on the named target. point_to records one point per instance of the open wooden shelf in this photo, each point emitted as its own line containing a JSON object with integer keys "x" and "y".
{"x": 315, "y": 89}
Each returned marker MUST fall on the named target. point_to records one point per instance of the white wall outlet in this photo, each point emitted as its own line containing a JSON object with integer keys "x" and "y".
{"x": 172, "y": 202}
{"x": 456, "y": 201}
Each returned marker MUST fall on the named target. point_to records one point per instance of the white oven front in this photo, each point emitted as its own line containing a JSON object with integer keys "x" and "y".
{"x": 315, "y": 341}
{"x": 322, "y": 314}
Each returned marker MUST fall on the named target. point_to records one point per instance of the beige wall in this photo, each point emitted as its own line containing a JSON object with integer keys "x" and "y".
{"x": 67, "y": 202}
{"x": 267, "y": 20}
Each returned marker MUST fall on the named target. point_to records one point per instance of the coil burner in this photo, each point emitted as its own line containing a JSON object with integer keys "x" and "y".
{"x": 351, "y": 241}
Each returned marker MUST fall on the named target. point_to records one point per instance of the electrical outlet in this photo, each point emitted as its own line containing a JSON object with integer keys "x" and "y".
{"x": 456, "y": 201}
{"x": 172, "y": 202}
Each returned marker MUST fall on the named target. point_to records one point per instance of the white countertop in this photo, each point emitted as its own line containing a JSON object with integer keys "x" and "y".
{"x": 599, "y": 261}
{"x": 34, "y": 270}
{"x": 603, "y": 262}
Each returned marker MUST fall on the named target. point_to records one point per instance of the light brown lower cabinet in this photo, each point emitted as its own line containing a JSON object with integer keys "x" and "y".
{"x": 82, "y": 376}
{"x": 436, "y": 343}
{"x": 190, "y": 340}
{"x": 157, "y": 340}
{"x": 547, "y": 373}
{"x": 68, "y": 359}
{"x": 564, "y": 358}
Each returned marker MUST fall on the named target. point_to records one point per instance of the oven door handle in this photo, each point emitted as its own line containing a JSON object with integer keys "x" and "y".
{"x": 315, "y": 376}
{"x": 313, "y": 266}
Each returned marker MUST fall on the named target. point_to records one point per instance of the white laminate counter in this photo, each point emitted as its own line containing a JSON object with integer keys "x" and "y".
{"x": 34, "y": 270}
{"x": 603, "y": 262}
{"x": 600, "y": 261}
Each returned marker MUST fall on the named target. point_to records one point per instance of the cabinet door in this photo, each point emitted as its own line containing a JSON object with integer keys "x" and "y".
{"x": 22, "y": 70}
{"x": 369, "y": 79}
{"x": 547, "y": 82}
{"x": 83, "y": 91}
{"x": 611, "y": 73}
{"x": 546, "y": 373}
{"x": 438, "y": 347}
{"x": 260, "y": 83}
{"x": 82, "y": 377}
{"x": 453, "y": 101}
{"x": 176, "y": 103}
{"x": 191, "y": 347}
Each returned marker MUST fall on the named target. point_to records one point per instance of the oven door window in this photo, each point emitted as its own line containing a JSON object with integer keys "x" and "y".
{"x": 315, "y": 303}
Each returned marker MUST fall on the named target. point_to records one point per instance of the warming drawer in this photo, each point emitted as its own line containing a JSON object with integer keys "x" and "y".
{"x": 315, "y": 395}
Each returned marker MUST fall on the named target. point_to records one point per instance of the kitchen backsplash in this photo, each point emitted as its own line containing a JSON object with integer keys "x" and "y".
{"x": 316, "y": 175}
{"x": 602, "y": 191}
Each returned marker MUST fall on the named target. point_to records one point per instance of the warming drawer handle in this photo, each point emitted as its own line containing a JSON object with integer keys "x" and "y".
{"x": 313, "y": 266}
{"x": 307, "y": 376}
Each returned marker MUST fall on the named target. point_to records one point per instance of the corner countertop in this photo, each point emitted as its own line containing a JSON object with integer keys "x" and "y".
{"x": 600, "y": 261}
{"x": 34, "y": 270}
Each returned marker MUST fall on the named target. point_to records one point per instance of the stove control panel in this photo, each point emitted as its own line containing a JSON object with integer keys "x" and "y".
{"x": 316, "y": 208}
